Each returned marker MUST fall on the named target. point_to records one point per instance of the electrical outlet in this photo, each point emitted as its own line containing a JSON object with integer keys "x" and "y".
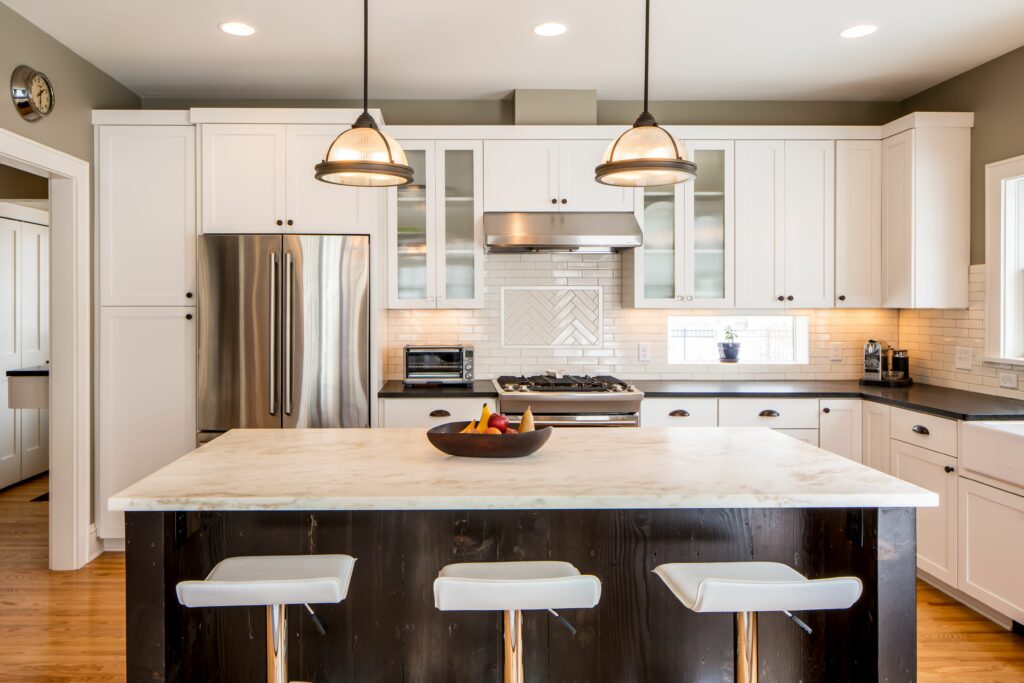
{"x": 963, "y": 359}
{"x": 1008, "y": 380}
{"x": 835, "y": 352}
{"x": 643, "y": 351}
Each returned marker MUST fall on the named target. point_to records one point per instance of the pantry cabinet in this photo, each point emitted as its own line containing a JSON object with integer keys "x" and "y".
{"x": 936, "y": 527}
{"x": 858, "y": 249}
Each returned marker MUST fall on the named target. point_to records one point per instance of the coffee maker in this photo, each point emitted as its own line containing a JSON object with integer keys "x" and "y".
{"x": 885, "y": 366}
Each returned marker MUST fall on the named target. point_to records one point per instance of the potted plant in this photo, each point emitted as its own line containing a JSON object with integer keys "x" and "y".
{"x": 729, "y": 350}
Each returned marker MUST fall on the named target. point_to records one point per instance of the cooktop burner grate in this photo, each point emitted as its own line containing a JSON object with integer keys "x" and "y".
{"x": 574, "y": 383}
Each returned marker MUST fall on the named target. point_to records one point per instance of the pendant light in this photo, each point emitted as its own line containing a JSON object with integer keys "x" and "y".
{"x": 365, "y": 156}
{"x": 646, "y": 154}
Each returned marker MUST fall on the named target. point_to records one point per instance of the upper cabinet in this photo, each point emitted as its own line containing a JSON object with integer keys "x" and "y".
{"x": 686, "y": 260}
{"x": 858, "y": 224}
{"x": 549, "y": 175}
{"x": 147, "y": 215}
{"x": 435, "y": 228}
{"x": 259, "y": 178}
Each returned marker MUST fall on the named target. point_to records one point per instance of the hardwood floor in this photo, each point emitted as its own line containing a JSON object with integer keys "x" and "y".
{"x": 68, "y": 627}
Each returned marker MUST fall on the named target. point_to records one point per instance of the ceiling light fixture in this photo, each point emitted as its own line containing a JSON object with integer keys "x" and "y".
{"x": 363, "y": 155}
{"x": 646, "y": 154}
{"x": 237, "y": 28}
{"x": 550, "y": 29}
{"x": 858, "y": 31}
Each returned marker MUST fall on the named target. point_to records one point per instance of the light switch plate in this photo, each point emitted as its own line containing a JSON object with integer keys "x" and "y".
{"x": 963, "y": 358}
{"x": 1008, "y": 380}
{"x": 835, "y": 352}
{"x": 643, "y": 351}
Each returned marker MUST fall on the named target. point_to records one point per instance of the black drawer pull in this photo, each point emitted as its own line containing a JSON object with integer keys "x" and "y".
{"x": 768, "y": 413}
{"x": 949, "y": 470}
{"x": 440, "y": 413}
{"x": 920, "y": 429}
{"x": 679, "y": 413}
{"x": 826, "y": 410}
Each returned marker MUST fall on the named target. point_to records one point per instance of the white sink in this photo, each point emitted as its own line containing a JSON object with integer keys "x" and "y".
{"x": 994, "y": 450}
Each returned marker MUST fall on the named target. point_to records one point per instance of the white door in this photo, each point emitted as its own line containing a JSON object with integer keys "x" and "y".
{"x": 147, "y": 215}
{"x": 991, "y": 527}
{"x": 809, "y": 243}
{"x": 875, "y": 440}
{"x": 318, "y": 207}
{"x": 840, "y": 427}
{"x": 760, "y": 216}
{"x": 35, "y": 342}
{"x": 10, "y": 348}
{"x": 521, "y": 175}
{"x": 243, "y": 178}
{"x": 708, "y": 229}
{"x": 858, "y": 251}
{"x": 458, "y": 224}
{"x": 898, "y": 220}
{"x": 147, "y": 409}
{"x": 577, "y": 189}
{"x": 936, "y": 527}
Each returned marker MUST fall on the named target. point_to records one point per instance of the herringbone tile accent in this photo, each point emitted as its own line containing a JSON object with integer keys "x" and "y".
{"x": 551, "y": 317}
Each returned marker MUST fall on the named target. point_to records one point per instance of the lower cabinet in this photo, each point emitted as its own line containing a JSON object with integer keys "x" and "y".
{"x": 875, "y": 436}
{"x": 936, "y": 527}
{"x": 679, "y": 412}
{"x": 430, "y": 412}
{"x": 839, "y": 427}
{"x": 35, "y": 442}
{"x": 810, "y": 436}
{"x": 147, "y": 398}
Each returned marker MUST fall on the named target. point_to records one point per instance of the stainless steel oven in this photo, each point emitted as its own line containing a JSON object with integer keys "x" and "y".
{"x": 571, "y": 401}
{"x": 438, "y": 364}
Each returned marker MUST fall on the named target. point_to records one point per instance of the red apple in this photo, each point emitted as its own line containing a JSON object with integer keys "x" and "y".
{"x": 498, "y": 421}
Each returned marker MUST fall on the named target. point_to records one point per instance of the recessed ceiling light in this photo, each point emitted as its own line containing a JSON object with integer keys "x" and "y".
{"x": 550, "y": 29}
{"x": 858, "y": 31}
{"x": 237, "y": 28}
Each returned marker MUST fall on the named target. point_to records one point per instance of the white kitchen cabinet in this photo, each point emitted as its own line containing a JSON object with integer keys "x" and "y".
{"x": 840, "y": 427}
{"x": 35, "y": 442}
{"x": 548, "y": 175}
{"x": 687, "y": 257}
{"x": 991, "y": 556}
{"x": 777, "y": 413}
{"x": 430, "y": 412}
{"x": 147, "y": 215}
{"x": 927, "y": 431}
{"x": 146, "y": 414}
{"x": 926, "y": 218}
{"x": 936, "y": 527}
{"x": 760, "y": 223}
{"x": 679, "y": 412}
{"x": 435, "y": 228}
{"x": 806, "y": 435}
{"x": 858, "y": 250}
{"x": 875, "y": 439}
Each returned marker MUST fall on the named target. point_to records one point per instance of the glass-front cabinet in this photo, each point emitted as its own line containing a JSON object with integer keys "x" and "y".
{"x": 435, "y": 228}
{"x": 686, "y": 260}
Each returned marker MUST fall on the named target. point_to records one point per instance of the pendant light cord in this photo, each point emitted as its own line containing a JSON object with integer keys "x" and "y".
{"x": 647, "y": 49}
{"x": 366, "y": 53}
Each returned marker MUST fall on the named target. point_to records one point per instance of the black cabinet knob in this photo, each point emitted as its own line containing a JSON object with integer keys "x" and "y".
{"x": 565, "y": 201}
{"x": 554, "y": 201}
{"x": 188, "y": 316}
{"x": 826, "y": 410}
{"x": 679, "y": 413}
{"x": 949, "y": 469}
{"x": 280, "y": 222}
{"x": 782, "y": 298}
{"x": 188, "y": 295}
{"x": 789, "y": 298}
{"x": 290, "y": 222}
{"x": 842, "y": 297}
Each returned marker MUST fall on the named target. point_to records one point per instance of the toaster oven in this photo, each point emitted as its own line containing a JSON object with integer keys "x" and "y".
{"x": 438, "y": 365}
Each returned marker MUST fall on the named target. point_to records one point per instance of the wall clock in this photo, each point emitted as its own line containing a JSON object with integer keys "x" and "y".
{"x": 31, "y": 92}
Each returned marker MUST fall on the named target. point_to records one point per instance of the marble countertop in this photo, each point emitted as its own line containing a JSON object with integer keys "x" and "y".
{"x": 398, "y": 469}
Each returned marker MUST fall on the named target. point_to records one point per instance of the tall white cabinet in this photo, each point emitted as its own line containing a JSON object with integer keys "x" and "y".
{"x": 858, "y": 249}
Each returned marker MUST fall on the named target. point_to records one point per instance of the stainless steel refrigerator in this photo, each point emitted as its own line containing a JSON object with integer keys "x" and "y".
{"x": 283, "y": 332}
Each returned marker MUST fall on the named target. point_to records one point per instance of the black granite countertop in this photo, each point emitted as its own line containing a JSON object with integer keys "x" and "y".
{"x": 34, "y": 371}
{"x": 951, "y": 403}
{"x": 480, "y": 388}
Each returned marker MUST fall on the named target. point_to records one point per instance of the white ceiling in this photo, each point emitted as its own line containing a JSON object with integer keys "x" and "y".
{"x": 447, "y": 49}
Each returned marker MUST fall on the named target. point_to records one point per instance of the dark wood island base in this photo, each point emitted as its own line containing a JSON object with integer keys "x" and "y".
{"x": 388, "y": 631}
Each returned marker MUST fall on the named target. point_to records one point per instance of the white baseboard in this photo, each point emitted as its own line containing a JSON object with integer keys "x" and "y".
{"x": 113, "y": 545}
{"x": 984, "y": 610}
{"x": 95, "y": 544}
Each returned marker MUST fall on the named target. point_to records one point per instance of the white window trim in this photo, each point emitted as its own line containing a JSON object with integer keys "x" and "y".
{"x": 995, "y": 244}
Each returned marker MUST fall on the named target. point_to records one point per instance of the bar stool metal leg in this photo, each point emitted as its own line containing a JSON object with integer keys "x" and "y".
{"x": 514, "y": 647}
{"x": 746, "y": 647}
{"x": 277, "y": 644}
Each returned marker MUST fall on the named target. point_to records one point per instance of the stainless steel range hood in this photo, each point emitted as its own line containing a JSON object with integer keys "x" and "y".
{"x": 553, "y": 231}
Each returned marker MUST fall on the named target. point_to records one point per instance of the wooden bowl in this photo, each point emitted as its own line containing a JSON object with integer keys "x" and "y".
{"x": 446, "y": 438}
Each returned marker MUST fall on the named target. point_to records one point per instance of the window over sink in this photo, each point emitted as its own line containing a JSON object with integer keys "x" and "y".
{"x": 762, "y": 339}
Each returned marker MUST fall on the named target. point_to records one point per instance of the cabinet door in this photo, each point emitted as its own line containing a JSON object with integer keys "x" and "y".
{"x": 458, "y": 225}
{"x": 10, "y": 348}
{"x": 898, "y": 220}
{"x": 875, "y": 440}
{"x": 991, "y": 524}
{"x": 840, "y": 427}
{"x": 679, "y": 412}
{"x": 760, "y": 214}
{"x": 411, "y": 234}
{"x": 707, "y": 266}
{"x": 35, "y": 442}
{"x": 521, "y": 175}
{"x": 658, "y": 264}
{"x": 34, "y": 279}
{"x": 244, "y": 177}
{"x": 577, "y": 189}
{"x": 429, "y": 412}
{"x": 858, "y": 249}
{"x": 147, "y": 214}
{"x": 809, "y": 243}
{"x": 936, "y": 527}
{"x": 147, "y": 398}
{"x": 314, "y": 206}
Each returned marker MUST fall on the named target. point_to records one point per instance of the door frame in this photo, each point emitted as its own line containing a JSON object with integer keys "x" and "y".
{"x": 71, "y": 544}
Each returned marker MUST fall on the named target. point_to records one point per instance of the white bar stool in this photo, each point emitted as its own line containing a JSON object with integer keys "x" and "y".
{"x": 274, "y": 581}
{"x": 747, "y": 588}
{"x": 512, "y": 587}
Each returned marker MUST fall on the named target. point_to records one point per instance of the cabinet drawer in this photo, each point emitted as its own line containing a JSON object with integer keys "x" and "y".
{"x": 679, "y": 412}
{"x": 430, "y": 412}
{"x": 777, "y": 413}
{"x": 927, "y": 431}
{"x": 807, "y": 435}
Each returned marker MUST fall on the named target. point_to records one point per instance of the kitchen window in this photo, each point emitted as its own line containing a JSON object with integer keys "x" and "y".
{"x": 763, "y": 339}
{"x": 1004, "y": 220}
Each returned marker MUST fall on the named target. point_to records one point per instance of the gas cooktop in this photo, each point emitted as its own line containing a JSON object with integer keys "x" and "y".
{"x": 604, "y": 384}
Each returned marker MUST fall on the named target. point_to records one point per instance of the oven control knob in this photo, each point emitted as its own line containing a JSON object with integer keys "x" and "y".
{"x": 469, "y": 366}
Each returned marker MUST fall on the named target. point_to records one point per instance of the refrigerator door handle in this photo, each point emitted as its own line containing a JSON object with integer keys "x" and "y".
{"x": 272, "y": 356}
{"x": 286, "y": 334}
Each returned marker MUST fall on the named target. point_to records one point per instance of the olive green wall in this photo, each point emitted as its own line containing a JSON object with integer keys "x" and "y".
{"x": 15, "y": 184}
{"x": 994, "y": 91}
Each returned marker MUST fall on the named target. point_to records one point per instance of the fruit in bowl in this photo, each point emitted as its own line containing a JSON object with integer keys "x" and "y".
{"x": 464, "y": 438}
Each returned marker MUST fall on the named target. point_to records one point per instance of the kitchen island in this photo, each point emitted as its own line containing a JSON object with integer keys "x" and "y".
{"x": 614, "y": 502}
